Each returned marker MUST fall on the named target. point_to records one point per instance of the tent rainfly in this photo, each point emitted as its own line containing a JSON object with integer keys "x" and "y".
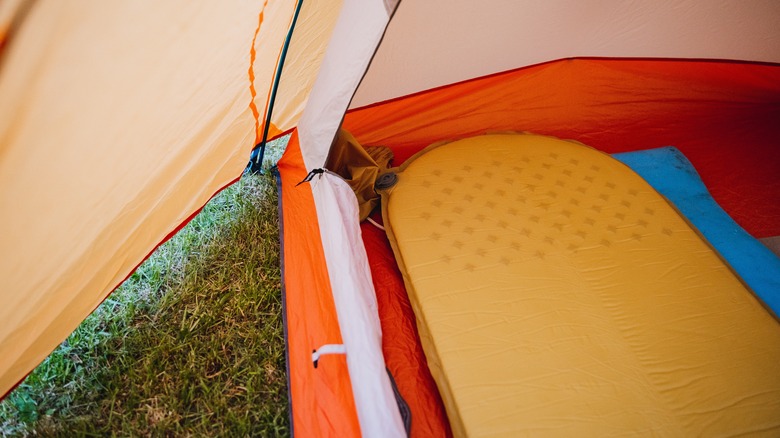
{"x": 119, "y": 120}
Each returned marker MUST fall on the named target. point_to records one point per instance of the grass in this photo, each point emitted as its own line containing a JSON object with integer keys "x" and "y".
{"x": 190, "y": 345}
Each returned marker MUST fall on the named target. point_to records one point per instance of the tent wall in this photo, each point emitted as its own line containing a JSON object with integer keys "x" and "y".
{"x": 118, "y": 121}
{"x": 108, "y": 141}
{"x": 10, "y": 12}
{"x": 311, "y": 35}
{"x": 723, "y": 116}
{"x": 436, "y": 42}
{"x": 357, "y": 34}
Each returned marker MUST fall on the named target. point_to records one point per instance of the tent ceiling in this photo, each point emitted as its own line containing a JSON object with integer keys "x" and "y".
{"x": 435, "y": 42}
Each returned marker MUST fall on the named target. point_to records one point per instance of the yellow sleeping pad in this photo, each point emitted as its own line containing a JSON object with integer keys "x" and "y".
{"x": 557, "y": 293}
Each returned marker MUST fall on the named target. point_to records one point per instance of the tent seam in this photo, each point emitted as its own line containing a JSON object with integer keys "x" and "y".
{"x": 251, "y": 72}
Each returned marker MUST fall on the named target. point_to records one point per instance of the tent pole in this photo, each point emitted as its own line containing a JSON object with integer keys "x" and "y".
{"x": 256, "y": 158}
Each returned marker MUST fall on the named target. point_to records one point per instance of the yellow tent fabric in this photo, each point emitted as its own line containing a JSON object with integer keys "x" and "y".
{"x": 118, "y": 120}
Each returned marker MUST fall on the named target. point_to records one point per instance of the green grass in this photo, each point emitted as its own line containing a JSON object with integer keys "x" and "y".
{"x": 190, "y": 345}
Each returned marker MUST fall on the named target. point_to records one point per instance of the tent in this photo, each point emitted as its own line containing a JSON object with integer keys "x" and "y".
{"x": 120, "y": 120}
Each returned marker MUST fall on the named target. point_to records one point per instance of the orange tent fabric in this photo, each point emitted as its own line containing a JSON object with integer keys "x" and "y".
{"x": 719, "y": 114}
{"x": 322, "y": 399}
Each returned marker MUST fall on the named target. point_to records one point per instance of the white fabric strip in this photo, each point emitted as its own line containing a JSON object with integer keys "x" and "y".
{"x": 355, "y": 38}
{"x": 356, "y": 307}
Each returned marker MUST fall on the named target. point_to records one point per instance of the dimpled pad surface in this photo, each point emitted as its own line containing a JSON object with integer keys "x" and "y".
{"x": 557, "y": 293}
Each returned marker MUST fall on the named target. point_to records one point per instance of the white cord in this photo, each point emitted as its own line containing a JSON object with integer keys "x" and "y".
{"x": 375, "y": 224}
{"x": 327, "y": 349}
